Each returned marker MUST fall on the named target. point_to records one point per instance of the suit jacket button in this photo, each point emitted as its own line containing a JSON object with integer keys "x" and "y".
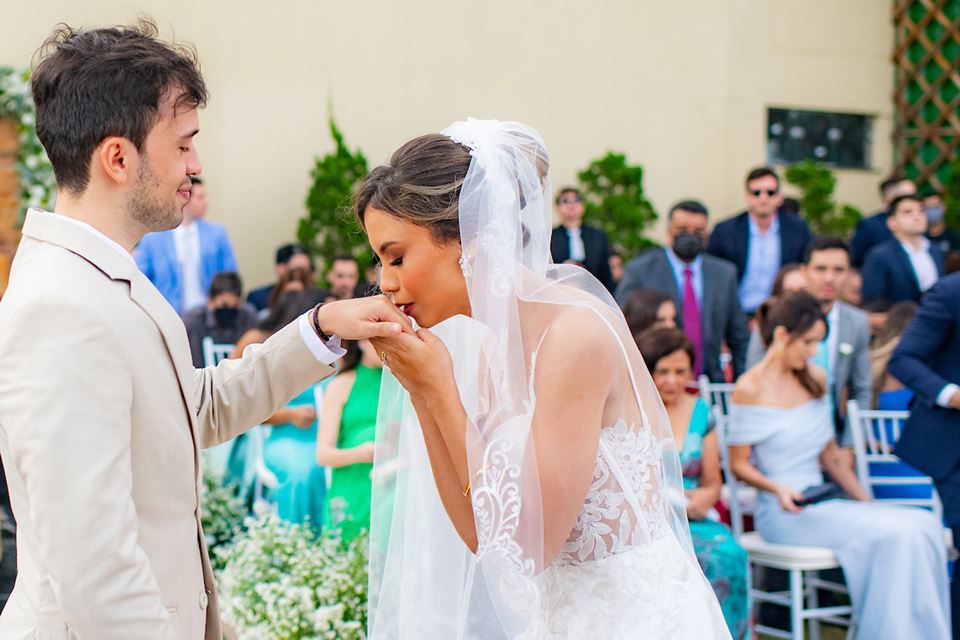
{"x": 204, "y": 600}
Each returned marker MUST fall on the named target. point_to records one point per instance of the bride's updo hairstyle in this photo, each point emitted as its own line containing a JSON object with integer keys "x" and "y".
{"x": 797, "y": 313}
{"x": 420, "y": 184}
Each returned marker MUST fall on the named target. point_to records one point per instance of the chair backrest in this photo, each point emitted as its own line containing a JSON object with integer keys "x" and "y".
{"x": 883, "y": 474}
{"x": 721, "y": 424}
{"x": 716, "y": 394}
{"x": 214, "y": 352}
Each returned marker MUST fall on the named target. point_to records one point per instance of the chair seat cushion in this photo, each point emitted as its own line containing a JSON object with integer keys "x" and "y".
{"x": 787, "y": 556}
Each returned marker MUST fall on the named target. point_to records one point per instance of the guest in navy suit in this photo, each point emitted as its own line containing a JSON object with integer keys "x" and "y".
{"x": 872, "y": 231}
{"x": 576, "y": 242}
{"x": 760, "y": 240}
{"x": 904, "y": 267}
{"x": 927, "y": 360}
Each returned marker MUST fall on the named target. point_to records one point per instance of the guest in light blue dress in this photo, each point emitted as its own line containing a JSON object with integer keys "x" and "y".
{"x": 669, "y": 355}
{"x": 893, "y": 557}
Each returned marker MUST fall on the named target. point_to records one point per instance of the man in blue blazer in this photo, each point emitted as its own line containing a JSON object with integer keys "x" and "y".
{"x": 927, "y": 360}
{"x": 873, "y": 230}
{"x": 904, "y": 267}
{"x": 181, "y": 262}
{"x": 760, "y": 240}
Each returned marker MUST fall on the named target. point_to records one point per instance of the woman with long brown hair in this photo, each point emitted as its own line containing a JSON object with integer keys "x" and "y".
{"x": 893, "y": 557}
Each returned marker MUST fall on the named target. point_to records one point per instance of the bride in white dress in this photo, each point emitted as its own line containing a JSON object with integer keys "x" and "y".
{"x": 526, "y": 482}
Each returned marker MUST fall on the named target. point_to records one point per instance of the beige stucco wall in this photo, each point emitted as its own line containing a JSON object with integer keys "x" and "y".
{"x": 682, "y": 87}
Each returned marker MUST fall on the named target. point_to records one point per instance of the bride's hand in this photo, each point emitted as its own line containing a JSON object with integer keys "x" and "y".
{"x": 420, "y": 362}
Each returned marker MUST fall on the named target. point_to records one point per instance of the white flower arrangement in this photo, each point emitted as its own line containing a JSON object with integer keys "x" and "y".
{"x": 37, "y": 183}
{"x": 282, "y": 581}
{"x": 221, "y": 512}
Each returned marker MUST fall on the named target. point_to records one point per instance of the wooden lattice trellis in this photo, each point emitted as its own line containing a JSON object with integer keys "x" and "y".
{"x": 9, "y": 186}
{"x": 926, "y": 58}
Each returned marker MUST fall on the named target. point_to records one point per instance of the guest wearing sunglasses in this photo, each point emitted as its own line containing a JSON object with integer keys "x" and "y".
{"x": 760, "y": 240}
{"x": 573, "y": 241}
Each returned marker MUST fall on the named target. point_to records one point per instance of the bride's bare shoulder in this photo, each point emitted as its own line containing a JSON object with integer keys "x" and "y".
{"x": 578, "y": 330}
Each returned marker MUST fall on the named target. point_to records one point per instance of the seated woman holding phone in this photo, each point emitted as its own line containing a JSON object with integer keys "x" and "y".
{"x": 893, "y": 557}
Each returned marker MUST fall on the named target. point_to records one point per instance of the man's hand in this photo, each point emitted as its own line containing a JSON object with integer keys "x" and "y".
{"x": 363, "y": 318}
{"x": 955, "y": 400}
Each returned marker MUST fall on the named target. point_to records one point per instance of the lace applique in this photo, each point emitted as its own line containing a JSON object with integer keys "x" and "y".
{"x": 496, "y": 507}
{"x": 609, "y": 523}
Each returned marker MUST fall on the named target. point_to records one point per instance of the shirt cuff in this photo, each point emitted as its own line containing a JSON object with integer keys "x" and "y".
{"x": 946, "y": 394}
{"x": 326, "y": 352}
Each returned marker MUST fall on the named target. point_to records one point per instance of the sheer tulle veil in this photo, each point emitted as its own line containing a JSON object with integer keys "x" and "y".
{"x": 424, "y": 581}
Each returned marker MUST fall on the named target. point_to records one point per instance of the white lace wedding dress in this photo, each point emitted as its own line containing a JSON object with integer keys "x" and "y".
{"x": 622, "y": 574}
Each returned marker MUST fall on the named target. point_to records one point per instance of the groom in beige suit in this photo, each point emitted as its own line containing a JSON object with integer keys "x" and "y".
{"x": 102, "y": 415}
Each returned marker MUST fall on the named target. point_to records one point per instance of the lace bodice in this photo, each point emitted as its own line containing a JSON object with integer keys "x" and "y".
{"x": 624, "y": 507}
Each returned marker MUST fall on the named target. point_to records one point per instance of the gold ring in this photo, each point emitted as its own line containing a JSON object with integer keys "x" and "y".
{"x": 383, "y": 357}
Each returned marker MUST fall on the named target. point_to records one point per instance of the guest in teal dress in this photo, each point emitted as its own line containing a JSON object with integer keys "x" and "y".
{"x": 669, "y": 356}
{"x": 289, "y": 452}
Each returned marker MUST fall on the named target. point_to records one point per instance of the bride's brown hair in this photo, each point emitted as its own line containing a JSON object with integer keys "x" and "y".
{"x": 420, "y": 184}
{"x": 797, "y": 313}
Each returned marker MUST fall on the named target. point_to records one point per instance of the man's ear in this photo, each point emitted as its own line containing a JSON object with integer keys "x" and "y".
{"x": 115, "y": 158}
{"x": 890, "y": 222}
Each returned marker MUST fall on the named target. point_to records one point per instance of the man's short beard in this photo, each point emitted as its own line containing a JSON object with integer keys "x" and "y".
{"x": 147, "y": 207}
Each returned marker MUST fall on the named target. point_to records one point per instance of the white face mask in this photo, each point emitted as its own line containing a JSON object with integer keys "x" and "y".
{"x": 935, "y": 214}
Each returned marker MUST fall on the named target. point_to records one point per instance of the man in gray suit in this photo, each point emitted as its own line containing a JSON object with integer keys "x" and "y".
{"x": 845, "y": 352}
{"x": 703, "y": 288}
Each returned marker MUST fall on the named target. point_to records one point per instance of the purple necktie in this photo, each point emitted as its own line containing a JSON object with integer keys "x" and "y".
{"x": 691, "y": 319}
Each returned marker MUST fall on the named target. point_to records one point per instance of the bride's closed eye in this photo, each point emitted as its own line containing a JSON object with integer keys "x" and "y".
{"x": 397, "y": 262}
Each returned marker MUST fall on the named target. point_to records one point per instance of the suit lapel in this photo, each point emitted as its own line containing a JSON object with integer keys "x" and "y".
{"x": 907, "y": 267}
{"x": 664, "y": 275}
{"x": 50, "y": 228}
{"x": 742, "y": 240}
{"x": 844, "y": 336}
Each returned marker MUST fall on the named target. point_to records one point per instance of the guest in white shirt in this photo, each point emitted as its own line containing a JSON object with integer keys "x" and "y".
{"x": 573, "y": 241}
{"x": 906, "y": 266}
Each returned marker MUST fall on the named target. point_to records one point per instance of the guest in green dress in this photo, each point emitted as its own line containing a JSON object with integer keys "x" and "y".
{"x": 669, "y": 356}
{"x": 345, "y": 443}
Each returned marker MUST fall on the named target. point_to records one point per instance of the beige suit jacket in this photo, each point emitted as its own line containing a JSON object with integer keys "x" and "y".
{"x": 102, "y": 416}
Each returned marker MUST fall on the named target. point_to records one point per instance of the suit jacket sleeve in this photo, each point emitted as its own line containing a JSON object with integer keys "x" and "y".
{"x": 70, "y": 438}
{"x": 756, "y": 350}
{"x": 738, "y": 336}
{"x": 923, "y": 340}
{"x": 859, "y": 243}
{"x": 606, "y": 277}
{"x": 874, "y": 276}
{"x": 861, "y": 376}
{"x": 238, "y": 394}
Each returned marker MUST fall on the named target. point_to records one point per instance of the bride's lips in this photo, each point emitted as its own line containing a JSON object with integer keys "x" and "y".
{"x": 405, "y": 308}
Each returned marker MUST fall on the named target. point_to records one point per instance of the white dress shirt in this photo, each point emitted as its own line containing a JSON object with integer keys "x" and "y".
{"x": 923, "y": 264}
{"x": 186, "y": 239}
{"x": 577, "y": 251}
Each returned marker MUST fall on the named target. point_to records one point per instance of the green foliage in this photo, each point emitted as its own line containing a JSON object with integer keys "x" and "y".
{"x": 37, "y": 183}
{"x": 817, "y": 184}
{"x": 329, "y": 228}
{"x": 615, "y": 202}
{"x": 282, "y": 581}
{"x": 951, "y": 195}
